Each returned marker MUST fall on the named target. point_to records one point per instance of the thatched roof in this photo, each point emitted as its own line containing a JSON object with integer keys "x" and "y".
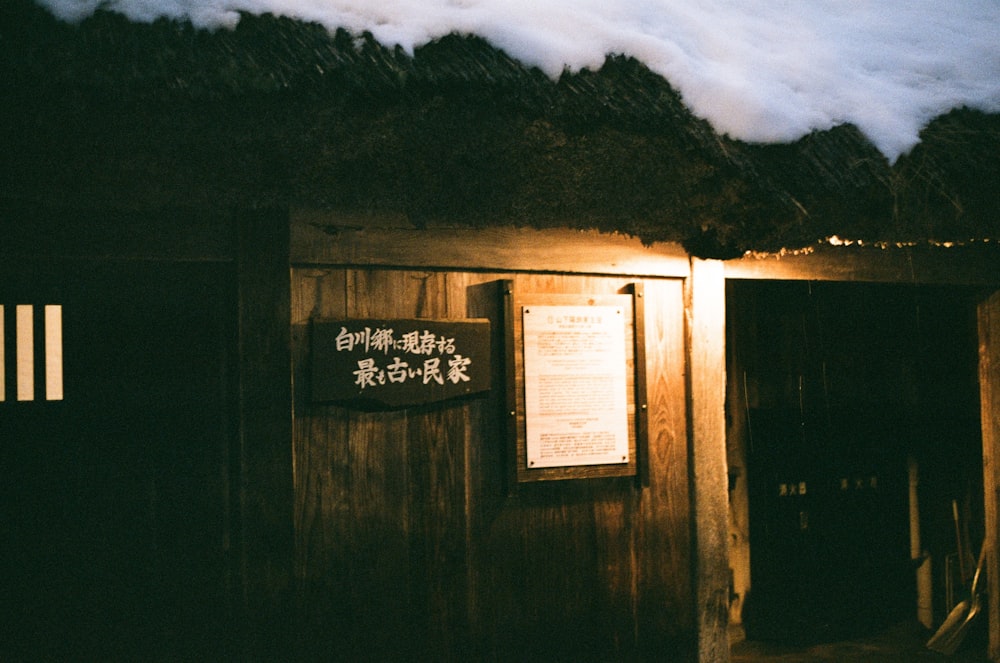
{"x": 113, "y": 115}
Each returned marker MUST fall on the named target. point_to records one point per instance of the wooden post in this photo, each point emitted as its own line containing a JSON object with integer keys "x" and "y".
{"x": 989, "y": 389}
{"x": 264, "y": 445}
{"x": 706, "y": 332}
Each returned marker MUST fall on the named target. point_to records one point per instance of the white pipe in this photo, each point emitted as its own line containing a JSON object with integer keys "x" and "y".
{"x": 925, "y": 613}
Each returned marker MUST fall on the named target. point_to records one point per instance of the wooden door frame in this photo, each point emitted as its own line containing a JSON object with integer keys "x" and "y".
{"x": 705, "y": 308}
{"x": 989, "y": 389}
{"x": 976, "y": 266}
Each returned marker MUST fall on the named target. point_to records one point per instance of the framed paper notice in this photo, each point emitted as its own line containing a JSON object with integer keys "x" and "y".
{"x": 574, "y": 390}
{"x": 575, "y": 385}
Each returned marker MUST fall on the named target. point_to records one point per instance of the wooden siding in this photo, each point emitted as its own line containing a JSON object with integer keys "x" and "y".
{"x": 411, "y": 538}
{"x": 523, "y": 554}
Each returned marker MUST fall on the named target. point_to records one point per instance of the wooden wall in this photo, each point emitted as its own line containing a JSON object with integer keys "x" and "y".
{"x": 352, "y": 535}
{"x": 410, "y": 538}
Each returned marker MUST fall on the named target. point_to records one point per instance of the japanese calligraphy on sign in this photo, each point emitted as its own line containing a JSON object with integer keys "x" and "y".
{"x": 399, "y": 362}
{"x": 575, "y": 385}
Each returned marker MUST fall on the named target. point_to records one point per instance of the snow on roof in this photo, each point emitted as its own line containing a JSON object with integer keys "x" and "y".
{"x": 757, "y": 70}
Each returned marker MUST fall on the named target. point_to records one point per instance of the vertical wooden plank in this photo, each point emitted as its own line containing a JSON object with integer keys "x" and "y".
{"x": 638, "y": 292}
{"x": 706, "y": 330}
{"x": 378, "y": 545}
{"x": 665, "y": 619}
{"x": 486, "y": 461}
{"x": 615, "y": 537}
{"x": 321, "y": 469}
{"x": 436, "y": 454}
{"x": 265, "y": 446}
{"x": 989, "y": 389}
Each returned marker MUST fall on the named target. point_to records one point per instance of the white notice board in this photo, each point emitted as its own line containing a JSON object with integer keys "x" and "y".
{"x": 575, "y": 370}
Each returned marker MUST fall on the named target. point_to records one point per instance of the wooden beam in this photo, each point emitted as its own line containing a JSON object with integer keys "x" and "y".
{"x": 328, "y": 240}
{"x": 706, "y": 333}
{"x": 989, "y": 389}
{"x": 392, "y": 241}
{"x": 944, "y": 265}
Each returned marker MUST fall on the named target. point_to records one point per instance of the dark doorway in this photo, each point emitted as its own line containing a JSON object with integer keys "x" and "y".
{"x": 844, "y": 388}
{"x": 115, "y": 499}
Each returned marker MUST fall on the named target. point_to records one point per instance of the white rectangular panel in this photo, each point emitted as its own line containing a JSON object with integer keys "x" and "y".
{"x": 25, "y": 320}
{"x": 53, "y": 353}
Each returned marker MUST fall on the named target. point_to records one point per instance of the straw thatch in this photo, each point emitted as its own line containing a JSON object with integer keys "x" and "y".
{"x": 112, "y": 115}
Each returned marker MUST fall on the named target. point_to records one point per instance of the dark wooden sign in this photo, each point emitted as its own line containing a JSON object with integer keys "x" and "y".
{"x": 396, "y": 363}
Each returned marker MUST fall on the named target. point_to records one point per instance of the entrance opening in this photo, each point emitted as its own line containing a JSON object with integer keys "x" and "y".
{"x": 841, "y": 396}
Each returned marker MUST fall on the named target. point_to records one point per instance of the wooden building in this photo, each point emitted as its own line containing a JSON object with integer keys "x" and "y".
{"x": 179, "y": 210}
